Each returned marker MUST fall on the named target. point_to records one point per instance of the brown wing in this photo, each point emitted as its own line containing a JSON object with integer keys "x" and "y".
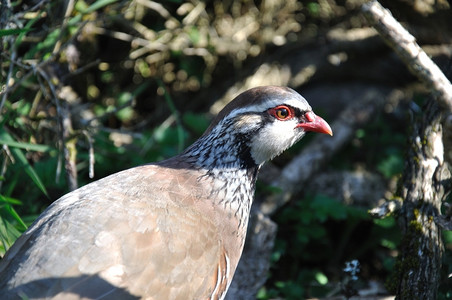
{"x": 125, "y": 243}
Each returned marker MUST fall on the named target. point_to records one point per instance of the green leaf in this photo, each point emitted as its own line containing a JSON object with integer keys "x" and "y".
{"x": 5, "y": 32}
{"x": 97, "y": 5}
{"x": 83, "y": 9}
{"x": 12, "y": 212}
{"x": 8, "y": 235}
{"x": 124, "y": 97}
{"x": 26, "y": 146}
{"x": 387, "y": 222}
{"x": 325, "y": 207}
{"x": 194, "y": 35}
{"x": 447, "y": 235}
{"x": 125, "y": 114}
{"x": 391, "y": 166}
{"x": 321, "y": 278}
{"x": 19, "y": 155}
{"x": 11, "y": 225}
{"x": 313, "y": 8}
{"x": 9, "y": 200}
{"x": 195, "y": 122}
{"x": 388, "y": 244}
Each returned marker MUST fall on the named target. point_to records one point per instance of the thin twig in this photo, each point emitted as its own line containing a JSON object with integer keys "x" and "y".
{"x": 80, "y": 70}
{"x": 67, "y": 14}
{"x": 65, "y": 134}
{"x": 36, "y": 7}
{"x": 175, "y": 112}
{"x": 8, "y": 77}
{"x": 59, "y": 166}
{"x": 5, "y": 163}
{"x": 128, "y": 103}
{"x": 91, "y": 153}
{"x": 157, "y": 7}
{"x": 40, "y": 65}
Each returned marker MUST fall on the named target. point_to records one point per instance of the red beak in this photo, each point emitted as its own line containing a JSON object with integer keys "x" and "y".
{"x": 316, "y": 124}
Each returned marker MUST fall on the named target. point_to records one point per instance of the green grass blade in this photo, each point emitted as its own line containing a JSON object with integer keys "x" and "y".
{"x": 20, "y": 156}
{"x": 99, "y": 4}
{"x": 8, "y": 234}
{"x": 12, "y": 213}
{"x": 9, "y": 200}
{"x": 14, "y": 31}
{"x": 27, "y": 146}
{"x": 86, "y": 10}
{"x": 26, "y": 29}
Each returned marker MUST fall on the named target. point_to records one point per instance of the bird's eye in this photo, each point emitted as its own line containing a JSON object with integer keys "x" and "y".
{"x": 281, "y": 112}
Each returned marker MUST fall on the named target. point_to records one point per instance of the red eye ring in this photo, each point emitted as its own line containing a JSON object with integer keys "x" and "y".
{"x": 281, "y": 112}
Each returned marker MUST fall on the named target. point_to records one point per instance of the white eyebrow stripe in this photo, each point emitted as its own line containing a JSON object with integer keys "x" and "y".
{"x": 269, "y": 104}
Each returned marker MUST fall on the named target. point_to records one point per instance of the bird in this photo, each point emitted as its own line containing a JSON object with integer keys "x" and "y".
{"x": 173, "y": 229}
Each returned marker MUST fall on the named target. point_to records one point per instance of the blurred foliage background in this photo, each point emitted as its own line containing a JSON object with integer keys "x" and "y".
{"x": 93, "y": 87}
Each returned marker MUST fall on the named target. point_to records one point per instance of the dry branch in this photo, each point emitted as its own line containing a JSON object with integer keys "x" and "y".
{"x": 404, "y": 44}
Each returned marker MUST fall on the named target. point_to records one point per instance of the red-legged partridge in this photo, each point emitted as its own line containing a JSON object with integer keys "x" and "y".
{"x": 168, "y": 230}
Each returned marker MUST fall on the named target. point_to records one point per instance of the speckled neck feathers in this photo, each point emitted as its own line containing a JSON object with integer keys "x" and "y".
{"x": 223, "y": 158}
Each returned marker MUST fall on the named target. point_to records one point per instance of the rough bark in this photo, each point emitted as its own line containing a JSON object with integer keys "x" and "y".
{"x": 425, "y": 185}
{"x": 426, "y": 179}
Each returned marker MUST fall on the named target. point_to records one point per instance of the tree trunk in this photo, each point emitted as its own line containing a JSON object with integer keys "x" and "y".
{"x": 425, "y": 184}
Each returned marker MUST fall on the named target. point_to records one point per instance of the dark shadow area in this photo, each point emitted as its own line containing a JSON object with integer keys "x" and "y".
{"x": 84, "y": 286}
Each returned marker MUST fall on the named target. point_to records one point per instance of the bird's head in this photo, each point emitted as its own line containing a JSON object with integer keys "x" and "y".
{"x": 267, "y": 120}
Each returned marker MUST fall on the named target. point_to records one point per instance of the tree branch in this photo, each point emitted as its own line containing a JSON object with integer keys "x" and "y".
{"x": 425, "y": 185}
{"x": 404, "y": 44}
{"x": 426, "y": 176}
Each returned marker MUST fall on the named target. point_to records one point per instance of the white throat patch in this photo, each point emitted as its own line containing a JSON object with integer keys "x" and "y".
{"x": 273, "y": 139}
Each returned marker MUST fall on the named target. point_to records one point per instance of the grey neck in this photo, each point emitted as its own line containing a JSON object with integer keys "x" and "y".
{"x": 225, "y": 157}
{"x": 222, "y": 148}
